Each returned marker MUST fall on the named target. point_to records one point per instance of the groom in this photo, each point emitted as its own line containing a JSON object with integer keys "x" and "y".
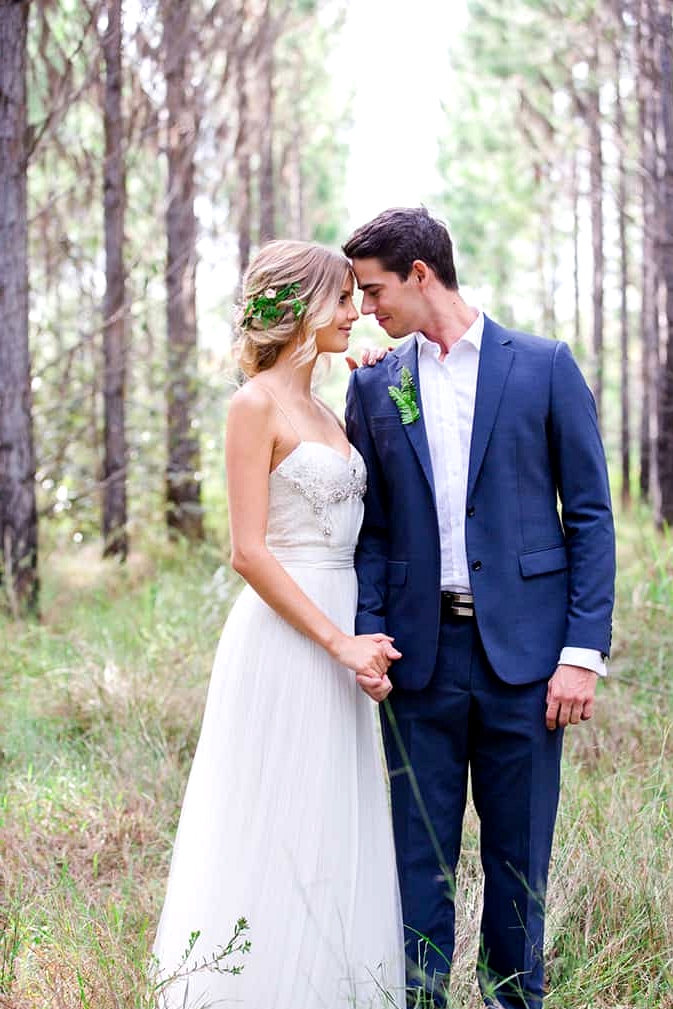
{"x": 487, "y": 551}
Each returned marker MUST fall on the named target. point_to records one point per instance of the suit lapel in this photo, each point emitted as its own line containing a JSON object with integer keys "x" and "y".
{"x": 495, "y": 360}
{"x": 407, "y": 357}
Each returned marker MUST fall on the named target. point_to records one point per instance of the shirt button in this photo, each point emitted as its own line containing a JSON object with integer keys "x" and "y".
{"x": 470, "y": 512}
{"x": 476, "y": 565}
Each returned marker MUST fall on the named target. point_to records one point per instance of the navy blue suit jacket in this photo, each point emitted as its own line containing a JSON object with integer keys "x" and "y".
{"x": 542, "y": 575}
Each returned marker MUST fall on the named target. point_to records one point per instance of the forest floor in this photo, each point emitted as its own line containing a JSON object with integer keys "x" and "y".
{"x": 101, "y": 707}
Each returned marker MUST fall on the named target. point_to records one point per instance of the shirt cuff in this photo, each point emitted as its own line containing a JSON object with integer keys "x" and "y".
{"x": 587, "y": 658}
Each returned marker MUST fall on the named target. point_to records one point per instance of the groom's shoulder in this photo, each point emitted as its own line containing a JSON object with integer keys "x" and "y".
{"x": 530, "y": 343}
{"x": 370, "y": 378}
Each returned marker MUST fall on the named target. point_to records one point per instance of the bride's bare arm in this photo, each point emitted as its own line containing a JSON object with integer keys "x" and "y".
{"x": 251, "y": 438}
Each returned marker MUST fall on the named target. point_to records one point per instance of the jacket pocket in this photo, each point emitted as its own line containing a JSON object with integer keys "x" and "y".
{"x": 385, "y": 421}
{"x": 396, "y": 572}
{"x": 543, "y": 562}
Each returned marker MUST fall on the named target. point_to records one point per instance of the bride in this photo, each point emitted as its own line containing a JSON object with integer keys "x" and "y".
{"x": 285, "y": 819}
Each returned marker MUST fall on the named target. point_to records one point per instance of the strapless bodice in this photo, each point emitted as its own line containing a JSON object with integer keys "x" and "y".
{"x": 315, "y": 505}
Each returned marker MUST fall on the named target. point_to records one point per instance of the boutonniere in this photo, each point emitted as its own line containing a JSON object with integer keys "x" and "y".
{"x": 404, "y": 398}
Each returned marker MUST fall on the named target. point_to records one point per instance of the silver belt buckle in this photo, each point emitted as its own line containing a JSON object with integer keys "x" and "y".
{"x": 462, "y": 604}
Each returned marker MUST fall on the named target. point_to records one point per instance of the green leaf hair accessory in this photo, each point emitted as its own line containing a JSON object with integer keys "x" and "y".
{"x": 270, "y": 307}
{"x": 404, "y": 398}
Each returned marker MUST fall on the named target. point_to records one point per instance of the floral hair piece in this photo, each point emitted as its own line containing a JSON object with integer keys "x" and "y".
{"x": 268, "y": 308}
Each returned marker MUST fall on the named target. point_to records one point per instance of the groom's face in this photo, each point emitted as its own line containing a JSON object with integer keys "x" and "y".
{"x": 393, "y": 301}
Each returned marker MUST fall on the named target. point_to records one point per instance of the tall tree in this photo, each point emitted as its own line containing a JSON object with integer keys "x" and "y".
{"x": 66, "y": 210}
{"x": 267, "y": 201}
{"x": 115, "y": 536}
{"x": 622, "y": 216}
{"x": 183, "y": 479}
{"x": 310, "y": 124}
{"x": 575, "y": 195}
{"x": 593, "y": 110}
{"x": 647, "y": 131}
{"x": 18, "y": 513}
{"x": 664, "y": 51}
{"x": 242, "y": 153}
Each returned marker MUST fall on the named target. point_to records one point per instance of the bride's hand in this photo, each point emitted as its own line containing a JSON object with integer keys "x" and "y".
{"x": 376, "y": 687}
{"x": 367, "y": 654}
{"x": 370, "y": 355}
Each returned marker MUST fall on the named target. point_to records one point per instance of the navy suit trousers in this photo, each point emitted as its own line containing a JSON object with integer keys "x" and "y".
{"x": 468, "y": 720}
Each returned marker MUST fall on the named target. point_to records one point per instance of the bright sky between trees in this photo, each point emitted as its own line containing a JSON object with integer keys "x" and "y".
{"x": 394, "y": 55}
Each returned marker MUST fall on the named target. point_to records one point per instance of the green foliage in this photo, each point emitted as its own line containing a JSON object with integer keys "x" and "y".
{"x": 270, "y": 307}
{"x": 218, "y": 962}
{"x": 488, "y": 196}
{"x": 101, "y": 710}
{"x": 67, "y": 255}
{"x": 514, "y": 155}
{"x": 404, "y": 398}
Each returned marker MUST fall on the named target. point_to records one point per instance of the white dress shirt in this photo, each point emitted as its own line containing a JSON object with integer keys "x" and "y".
{"x": 448, "y": 393}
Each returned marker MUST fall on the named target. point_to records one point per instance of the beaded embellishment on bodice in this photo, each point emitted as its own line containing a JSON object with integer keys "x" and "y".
{"x": 315, "y": 495}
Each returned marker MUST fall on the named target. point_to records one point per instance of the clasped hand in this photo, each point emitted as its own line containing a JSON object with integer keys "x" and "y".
{"x": 370, "y": 657}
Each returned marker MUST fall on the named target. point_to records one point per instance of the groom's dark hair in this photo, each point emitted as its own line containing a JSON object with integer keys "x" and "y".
{"x": 399, "y": 236}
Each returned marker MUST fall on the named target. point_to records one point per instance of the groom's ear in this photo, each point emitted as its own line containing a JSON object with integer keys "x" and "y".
{"x": 420, "y": 272}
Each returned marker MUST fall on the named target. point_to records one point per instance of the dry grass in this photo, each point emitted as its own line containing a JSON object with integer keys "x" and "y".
{"x": 102, "y": 703}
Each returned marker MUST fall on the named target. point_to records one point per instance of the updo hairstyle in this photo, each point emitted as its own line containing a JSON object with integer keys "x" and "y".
{"x": 319, "y": 273}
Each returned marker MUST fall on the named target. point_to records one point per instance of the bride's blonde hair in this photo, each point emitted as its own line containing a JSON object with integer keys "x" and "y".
{"x": 314, "y": 276}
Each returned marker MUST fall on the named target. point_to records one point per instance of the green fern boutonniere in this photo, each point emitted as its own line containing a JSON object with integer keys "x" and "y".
{"x": 404, "y": 398}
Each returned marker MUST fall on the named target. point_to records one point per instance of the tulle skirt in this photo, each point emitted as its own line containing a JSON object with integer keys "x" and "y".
{"x": 285, "y": 823}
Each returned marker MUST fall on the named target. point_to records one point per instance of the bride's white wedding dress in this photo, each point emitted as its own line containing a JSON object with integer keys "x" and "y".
{"x": 285, "y": 819}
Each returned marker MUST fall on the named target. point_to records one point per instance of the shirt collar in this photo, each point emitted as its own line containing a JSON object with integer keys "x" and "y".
{"x": 473, "y": 334}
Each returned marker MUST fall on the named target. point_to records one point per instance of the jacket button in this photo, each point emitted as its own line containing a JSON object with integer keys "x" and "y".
{"x": 470, "y": 511}
{"x": 476, "y": 565}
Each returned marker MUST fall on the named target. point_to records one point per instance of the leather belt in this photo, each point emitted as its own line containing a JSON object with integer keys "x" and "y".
{"x": 456, "y": 604}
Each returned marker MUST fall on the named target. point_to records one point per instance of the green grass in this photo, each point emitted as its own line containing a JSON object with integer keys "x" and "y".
{"x": 101, "y": 704}
{"x": 102, "y": 701}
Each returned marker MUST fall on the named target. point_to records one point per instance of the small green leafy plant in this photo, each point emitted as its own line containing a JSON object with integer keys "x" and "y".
{"x": 270, "y": 307}
{"x": 404, "y": 398}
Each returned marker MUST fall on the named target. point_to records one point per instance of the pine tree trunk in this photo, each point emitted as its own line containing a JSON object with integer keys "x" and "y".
{"x": 649, "y": 337}
{"x": 578, "y": 344}
{"x": 649, "y": 470}
{"x": 625, "y": 400}
{"x": 596, "y": 201}
{"x": 114, "y": 337}
{"x": 294, "y": 180}
{"x": 546, "y": 265}
{"x": 551, "y": 328}
{"x": 267, "y": 209}
{"x": 243, "y": 172}
{"x": 184, "y": 513}
{"x": 665, "y": 257}
{"x": 18, "y": 513}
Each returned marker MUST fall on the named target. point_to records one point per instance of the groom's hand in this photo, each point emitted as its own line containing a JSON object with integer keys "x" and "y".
{"x": 377, "y": 687}
{"x": 570, "y": 696}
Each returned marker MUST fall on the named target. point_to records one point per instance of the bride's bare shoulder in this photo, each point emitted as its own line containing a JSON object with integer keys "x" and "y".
{"x": 251, "y": 404}
{"x": 253, "y": 395}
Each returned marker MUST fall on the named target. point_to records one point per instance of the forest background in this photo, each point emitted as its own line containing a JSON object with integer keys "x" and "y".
{"x": 146, "y": 150}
